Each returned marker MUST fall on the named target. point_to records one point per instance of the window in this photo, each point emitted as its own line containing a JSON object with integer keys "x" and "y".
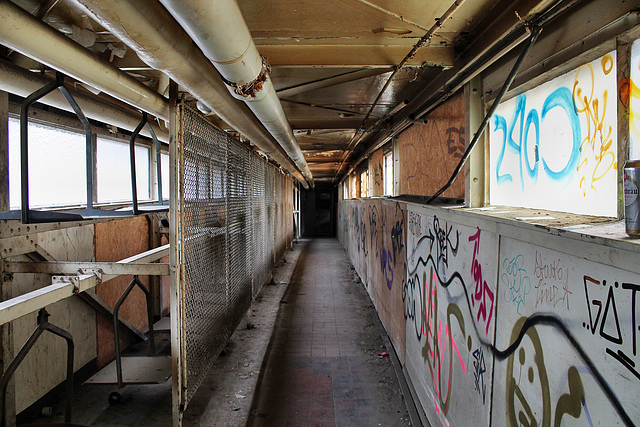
{"x": 352, "y": 180}
{"x": 57, "y": 165}
{"x": 634, "y": 103}
{"x": 388, "y": 174}
{"x": 166, "y": 174}
{"x": 114, "y": 173}
{"x": 555, "y": 146}
{"x": 364, "y": 184}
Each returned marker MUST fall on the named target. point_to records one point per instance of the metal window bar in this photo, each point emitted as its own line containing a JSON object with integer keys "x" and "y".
{"x": 27, "y": 215}
{"x": 132, "y": 157}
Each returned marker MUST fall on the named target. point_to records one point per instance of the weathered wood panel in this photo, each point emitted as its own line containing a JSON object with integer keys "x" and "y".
{"x": 376, "y": 173}
{"x": 429, "y": 153}
{"x": 45, "y": 366}
{"x": 116, "y": 240}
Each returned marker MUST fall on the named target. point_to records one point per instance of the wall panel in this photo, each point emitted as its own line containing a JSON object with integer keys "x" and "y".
{"x": 429, "y": 153}
{"x": 506, "y": 323}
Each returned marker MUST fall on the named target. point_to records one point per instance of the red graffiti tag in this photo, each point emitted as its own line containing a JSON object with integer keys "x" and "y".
{"x": 482, "y": 291}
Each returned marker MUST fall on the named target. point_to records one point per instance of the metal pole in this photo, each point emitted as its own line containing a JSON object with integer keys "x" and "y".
{"x": 116, "y": 324}
{"x": 24, "y": 145}
{"x": 132, "y": 159}
{"x": 88, "y": 138}
{"x": 156, "y": 143}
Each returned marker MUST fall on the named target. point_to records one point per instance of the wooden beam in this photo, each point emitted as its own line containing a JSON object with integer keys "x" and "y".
{"x": 66, "y": 286}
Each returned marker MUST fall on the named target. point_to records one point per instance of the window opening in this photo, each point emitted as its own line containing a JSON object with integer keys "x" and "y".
{"x": 364, "y": 184}
{"x": 114, "y": 184}
{"x": 634, "y": 103}
{"x": 388, "y": 174}
{"x": 26, "y": 214}
{"x": 555, "y": 146}
{"x": 134, "y": 183}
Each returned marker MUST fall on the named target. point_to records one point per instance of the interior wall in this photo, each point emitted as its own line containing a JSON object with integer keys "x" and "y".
{"x": 45, "y": 365}
{"x": 376, "y": 173}
{"x": 503, "y": 323}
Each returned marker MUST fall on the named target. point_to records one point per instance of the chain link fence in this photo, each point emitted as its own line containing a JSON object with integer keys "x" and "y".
{"x": 227, "y": 234}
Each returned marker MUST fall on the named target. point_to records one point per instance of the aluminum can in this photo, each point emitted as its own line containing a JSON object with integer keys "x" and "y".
{"x": 631, "y": 200}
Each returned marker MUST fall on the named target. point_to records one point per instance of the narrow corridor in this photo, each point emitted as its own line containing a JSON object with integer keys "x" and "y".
{"x": 326, "y": 364}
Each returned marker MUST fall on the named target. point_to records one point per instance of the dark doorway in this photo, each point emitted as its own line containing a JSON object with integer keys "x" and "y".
{"x": 319, "y": 211}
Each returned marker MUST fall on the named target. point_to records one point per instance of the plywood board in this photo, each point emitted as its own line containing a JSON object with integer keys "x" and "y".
{"x": 114, "y": 241}
{"x": 45, "y": 366}
{"x": 429, "y": 153}
{"x": 376, "y": 173}
{"x": 393, "y": 268}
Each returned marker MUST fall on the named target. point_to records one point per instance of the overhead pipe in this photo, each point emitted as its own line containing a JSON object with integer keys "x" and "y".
{"x": 150, "y": 31}
{"x": 24, "y": 33}
{"x": 21, "y": 82}
{"x": 219, "y": 29}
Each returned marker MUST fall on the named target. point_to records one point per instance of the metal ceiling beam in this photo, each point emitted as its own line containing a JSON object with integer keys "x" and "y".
{"x": 347, "y": 123}
{"x": 302, "y": 55}
{"x": 505, "y": 32}
{"x": 350, "y": 76}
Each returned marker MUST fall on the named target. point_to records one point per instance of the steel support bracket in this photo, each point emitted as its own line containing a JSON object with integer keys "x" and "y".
{"x": 80, "y": 283}
{"x": 14, "y": 246}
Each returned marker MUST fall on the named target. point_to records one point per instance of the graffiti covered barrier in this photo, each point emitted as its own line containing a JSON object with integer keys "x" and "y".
{"x": 504, "y": 324}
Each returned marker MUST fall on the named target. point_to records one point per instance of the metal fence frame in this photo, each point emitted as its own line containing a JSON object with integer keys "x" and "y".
{"x": 233, "y": 217}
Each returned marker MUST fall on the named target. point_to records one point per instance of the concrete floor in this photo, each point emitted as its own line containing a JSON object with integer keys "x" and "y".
{"x": 311, "y": 358}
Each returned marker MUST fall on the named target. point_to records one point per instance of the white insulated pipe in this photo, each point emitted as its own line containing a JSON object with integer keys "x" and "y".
{"x": 219, "y": 30}
{"x": 21, "y": 82}
{"x": 149, "y": 30}
{"x": 24, "y": 33}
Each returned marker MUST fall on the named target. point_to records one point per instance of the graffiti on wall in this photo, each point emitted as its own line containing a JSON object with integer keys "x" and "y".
{"x": 557, "y": 343}
{"x": 555, "y": 146}
{"x": 551, "y": 343}
{"x": 606, "y": 318}
{"x": 441, "y": 140}
{"x": 449, "y": 309}
{"x": 456, "y": 141}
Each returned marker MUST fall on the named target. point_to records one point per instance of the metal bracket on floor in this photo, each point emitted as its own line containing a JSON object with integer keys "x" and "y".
{"x": 43, "y": 325}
